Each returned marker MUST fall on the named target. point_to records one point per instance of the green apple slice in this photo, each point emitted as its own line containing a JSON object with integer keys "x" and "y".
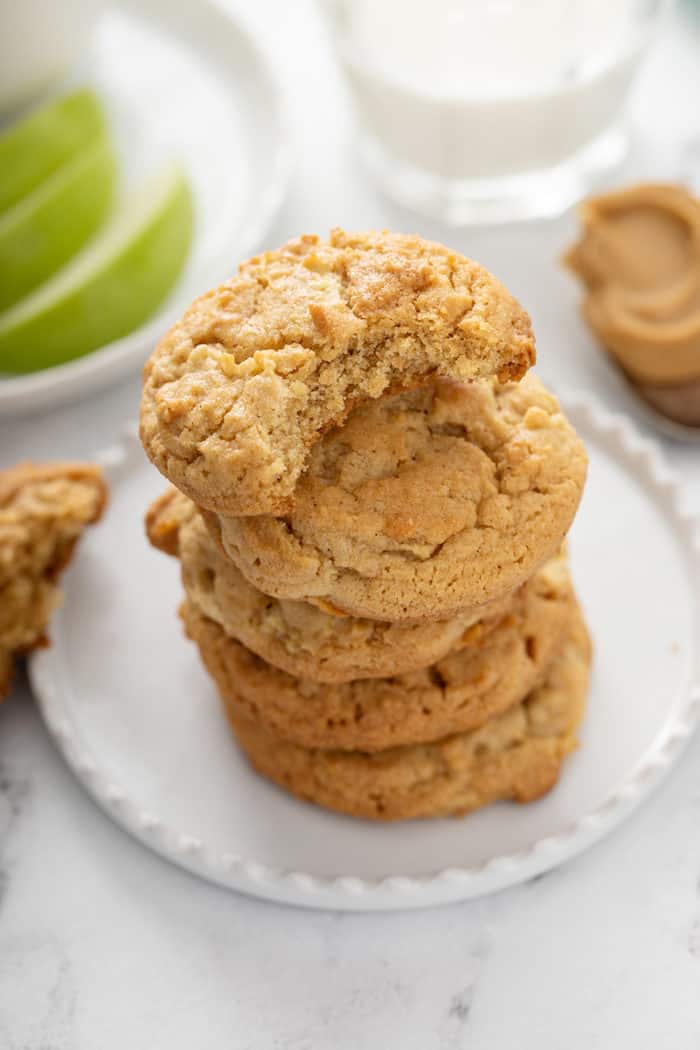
{"x": 46, "y": 228}
{"x": 111, "y": 287}
{"x": 33, "y": 148}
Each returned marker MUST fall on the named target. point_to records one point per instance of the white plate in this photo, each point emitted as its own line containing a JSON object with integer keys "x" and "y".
{"x": 138, "y": 719}
{"x": 182, "y": 79}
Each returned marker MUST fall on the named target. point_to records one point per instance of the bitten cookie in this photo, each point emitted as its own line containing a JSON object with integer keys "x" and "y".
{"x": 241, "y": 388}
{"x": 517, "y": 755}
{"x": 423, "y": 505}
{"x": 298, "y": 637}
{"x": 43, "y": 510}
{"x": 483, "y": 677}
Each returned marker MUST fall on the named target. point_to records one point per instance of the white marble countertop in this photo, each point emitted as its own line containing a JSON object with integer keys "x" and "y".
{"x": 103, "y": 946}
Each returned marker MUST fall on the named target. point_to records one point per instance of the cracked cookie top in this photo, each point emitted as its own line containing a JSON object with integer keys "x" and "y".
{"x": 423, "y": 505}
{"x": 242, "y": 387}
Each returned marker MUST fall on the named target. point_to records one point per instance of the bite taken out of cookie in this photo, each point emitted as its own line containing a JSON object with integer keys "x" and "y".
{"x": 257, "y": 370}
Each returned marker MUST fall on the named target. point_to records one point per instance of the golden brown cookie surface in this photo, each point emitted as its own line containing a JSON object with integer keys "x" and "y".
{"x": 517, "y": 755}
{"x": 43, "y": 510}
{"x": 242, "y": 387}
{"x": 422, "y": 505}
{"x": 165, "y": 518}
{"x": 490, "y": 672}
{"x": 298, "y": 637}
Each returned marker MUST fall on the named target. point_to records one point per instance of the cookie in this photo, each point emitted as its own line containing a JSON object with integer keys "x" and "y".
{"x": 517, "y": 755}
{"x": 422, "y": 506}
{"x": 298, "y": 637}
{"x": 241, "y": 388}
{"x": 6, "y": 666}
{"x": 43, "y": 510}
{"x": 165, "y": 518}
{"x": 480, "y": 679}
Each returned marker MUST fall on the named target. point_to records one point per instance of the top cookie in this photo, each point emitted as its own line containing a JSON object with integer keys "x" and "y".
{"x": 244, "y": 384}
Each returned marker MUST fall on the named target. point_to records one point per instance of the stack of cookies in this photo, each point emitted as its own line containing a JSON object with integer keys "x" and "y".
{"x": 370, "y": 508}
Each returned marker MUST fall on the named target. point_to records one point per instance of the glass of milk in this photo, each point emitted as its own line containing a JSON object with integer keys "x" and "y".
{"x": 491, "y": 110}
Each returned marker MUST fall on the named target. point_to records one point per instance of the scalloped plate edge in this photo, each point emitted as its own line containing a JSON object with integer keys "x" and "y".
{"x": 349, "y": 892}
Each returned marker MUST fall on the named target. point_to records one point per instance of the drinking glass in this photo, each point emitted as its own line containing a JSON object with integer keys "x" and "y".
{"x": 491, "y": 110}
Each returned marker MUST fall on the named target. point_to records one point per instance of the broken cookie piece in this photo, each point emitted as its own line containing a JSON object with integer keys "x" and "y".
{"x": 43, "y": 511}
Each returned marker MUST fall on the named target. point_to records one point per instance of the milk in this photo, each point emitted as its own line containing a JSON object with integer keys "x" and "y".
{"x": 483, "y": 90}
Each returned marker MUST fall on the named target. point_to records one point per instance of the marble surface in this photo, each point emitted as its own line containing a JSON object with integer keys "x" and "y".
{"x": 104, "y": 946}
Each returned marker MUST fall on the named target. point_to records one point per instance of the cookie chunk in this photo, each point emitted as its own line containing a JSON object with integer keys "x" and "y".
{"x": 43, "y": 510}
{"x": 484, "y": 675}
{"x": 423, "y": 505}
{"x": 239, "y": 390}
{"x": 517, "y": 755}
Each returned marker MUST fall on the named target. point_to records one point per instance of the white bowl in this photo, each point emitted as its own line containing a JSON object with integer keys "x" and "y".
{"x": 40, "y": 41}
{"x": 184, "y": 80}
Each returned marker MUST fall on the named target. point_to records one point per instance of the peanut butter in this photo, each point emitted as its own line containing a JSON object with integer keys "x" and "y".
{"x": 639, "y": 259}
{"x": 680, "y": 402}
